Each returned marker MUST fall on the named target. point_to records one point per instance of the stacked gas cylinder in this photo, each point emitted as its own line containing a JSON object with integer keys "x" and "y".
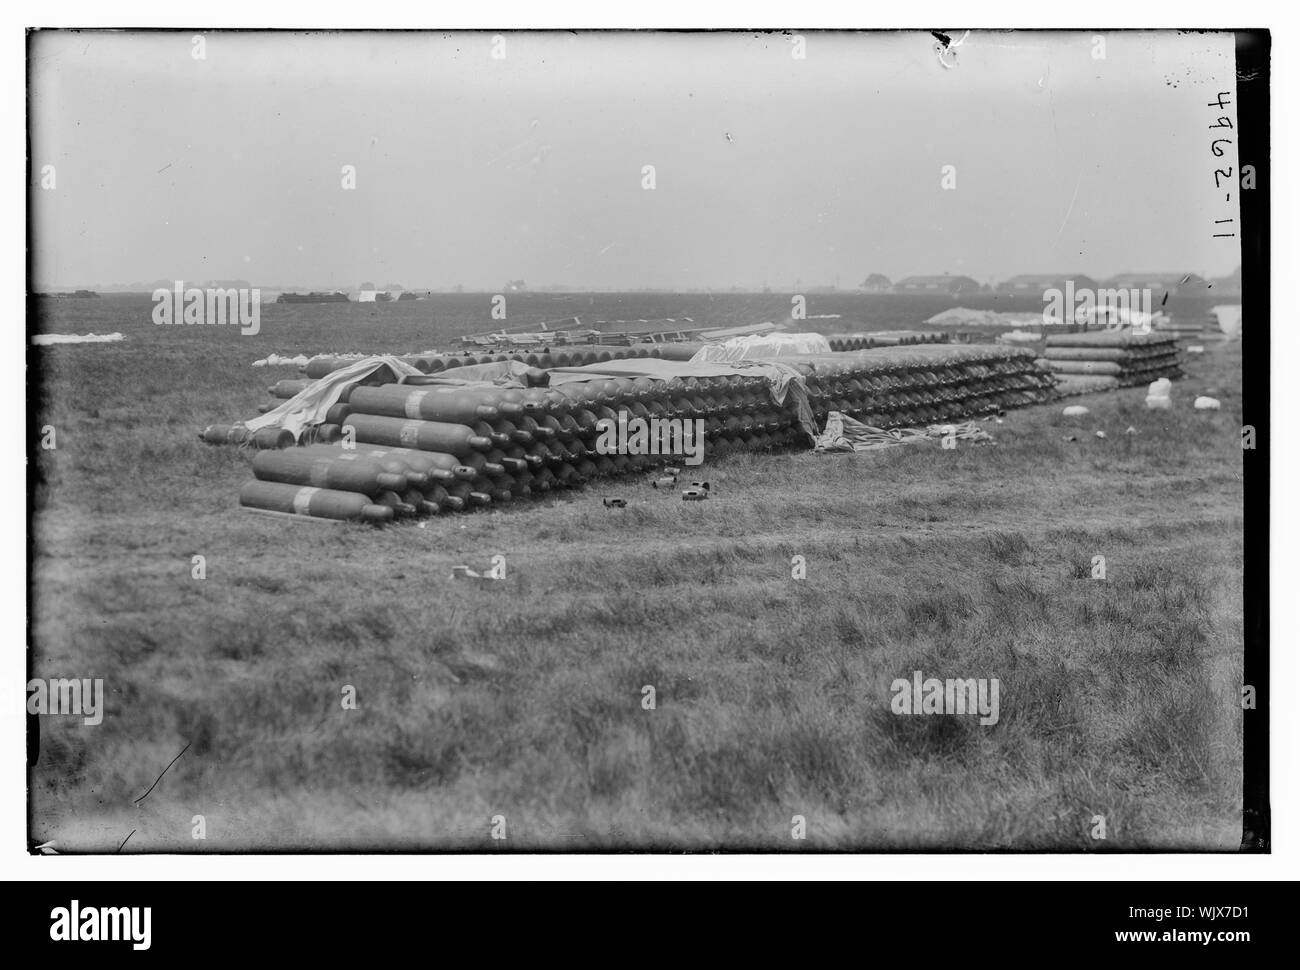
{"x": 1183, "y": 327}
{"x": 686, "y": 350}
{"x": 432, "y": 363}
{"x": 426, "y": 449}
{"x": 1104, "y": 360}
{"x": 908, "y": 386}
{"x": 421, "y": 450}
{"x": 885, "y": 338}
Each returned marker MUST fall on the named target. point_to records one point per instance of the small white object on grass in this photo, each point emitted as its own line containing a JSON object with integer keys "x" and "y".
{"x": 1075, "y": 411}
{"x": 45, "y": 339}
{"x": 1206, "y": 404}
{"x": 1101, "y": 434}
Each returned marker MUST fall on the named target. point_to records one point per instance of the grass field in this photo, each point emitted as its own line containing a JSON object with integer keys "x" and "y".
{"x": 523, "y": 698}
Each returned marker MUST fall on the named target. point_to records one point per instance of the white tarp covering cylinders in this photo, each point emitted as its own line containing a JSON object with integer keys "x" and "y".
{"x": 763, "y": 347}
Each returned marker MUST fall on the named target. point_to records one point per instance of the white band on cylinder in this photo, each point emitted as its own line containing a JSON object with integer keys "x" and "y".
{"x": 413, "y": 403}
{"x": 302, "y": 501}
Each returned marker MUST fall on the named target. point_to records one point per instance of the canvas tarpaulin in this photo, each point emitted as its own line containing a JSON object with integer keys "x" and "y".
{"x": 845, "y": 434}
{"x": 308, "y": 408}
{"x": 762, "y": 347}
{"x": 961, "y": 316}
{"x": 784, "y": 382}
{"x": 502, "y": 373}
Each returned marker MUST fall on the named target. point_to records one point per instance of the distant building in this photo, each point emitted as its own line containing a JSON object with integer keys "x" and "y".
{"x": 946, "y": 284}
{"x": 1036, "y": 284}
{"x": 1159, "y": 283}
{"x": 876, "y": 283}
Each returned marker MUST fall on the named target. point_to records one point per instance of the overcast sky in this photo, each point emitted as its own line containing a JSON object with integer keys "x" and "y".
{"x": 769, "y": 169}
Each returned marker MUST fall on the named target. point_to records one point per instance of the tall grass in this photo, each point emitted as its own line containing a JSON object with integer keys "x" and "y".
{"x": 525, "y": 698}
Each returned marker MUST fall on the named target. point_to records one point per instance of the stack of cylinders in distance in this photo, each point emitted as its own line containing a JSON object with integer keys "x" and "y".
{"x": 1184, "y": 328}
{"x": 1105, "y": 360}
{"x": 574, "y": 356}
{"x": 884, "y": 338}
{"x": 907, "y": 386}
{"x": 685, "y": 350}
{"x": 425, "y": 450}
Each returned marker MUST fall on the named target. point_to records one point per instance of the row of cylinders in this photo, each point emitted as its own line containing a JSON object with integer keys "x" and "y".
{"x": 886, "y": 338}
{"x": 925, "y": 385}
{"x": 580, "y": 356}
{"x": 420, "y": 450}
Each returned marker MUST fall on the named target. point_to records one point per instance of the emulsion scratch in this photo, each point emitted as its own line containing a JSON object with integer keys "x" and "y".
{"x": 160, "y": 777}
{"x": 1071, "y": 208}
